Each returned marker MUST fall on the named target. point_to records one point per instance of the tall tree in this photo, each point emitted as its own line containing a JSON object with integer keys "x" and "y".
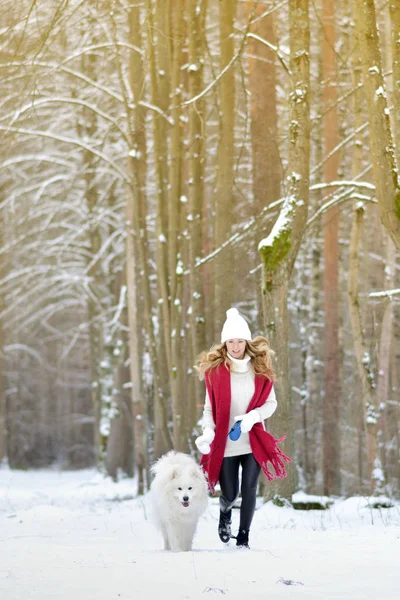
{"x": 137, "y": 252}
{"x": 224, "y": 197}
{"x": 391, "y": 58}
{"x": 158, "y": 50}
{"x": 196, "y": 189}
{"x": 158, "y": 53}
{"x": 174, "y": 226}
{"x": 331, "y": 418}
{"x": 367, "y": 378}
{"x": 279, "y": 250}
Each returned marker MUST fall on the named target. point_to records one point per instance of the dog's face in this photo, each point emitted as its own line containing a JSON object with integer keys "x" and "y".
{"x": 185, "y": 494}
{"x": 185, "y": 486}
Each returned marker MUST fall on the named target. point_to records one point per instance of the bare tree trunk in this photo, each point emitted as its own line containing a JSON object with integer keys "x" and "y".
{"x": 267, "y": 170}
{"x": 197, "y": 16}
{"x": 136, "y": 244}
{"x": 353, "y": 299}
{"x": 391, "y": 56}
{"x": 88, "y": 128}
{"x": 312, "y": 368}
{"x": 225, "y": 161}
{"x": 139, "y": 409}
{"x": 160, "y": 99}
{"x": 266, "y": 176}
{"x": 180, "y": 437}
{"x": 276, "y": 328}
{"x": 159, "y": 60}
{"x": 175, "y": 149}
{"x": 382, "y": 151}
{"x": 331, "y": 410}
{"x": 362, "y": 356}
{"x": 162, "y": 441}
{"x": 313, "y": 365}
{"x": 126, "y": 397}
{"x": 386, "y": 346}
{"x": 279, "y": 250}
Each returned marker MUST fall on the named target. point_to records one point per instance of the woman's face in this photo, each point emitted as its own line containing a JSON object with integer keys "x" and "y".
{"x": 236, "y": 348}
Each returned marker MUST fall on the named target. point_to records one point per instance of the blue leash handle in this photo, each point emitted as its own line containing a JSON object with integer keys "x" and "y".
{"x": 235, "y": 432}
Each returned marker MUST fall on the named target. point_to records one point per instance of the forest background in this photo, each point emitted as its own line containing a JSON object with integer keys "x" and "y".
{"x": 163, "y": 160}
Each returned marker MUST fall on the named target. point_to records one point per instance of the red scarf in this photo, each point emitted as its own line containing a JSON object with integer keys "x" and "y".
{"x": 263, "y": 444}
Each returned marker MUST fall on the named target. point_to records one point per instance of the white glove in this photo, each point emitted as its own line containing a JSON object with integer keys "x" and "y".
{"x": 248, "y": 420}
{"x": 203, "y": 441}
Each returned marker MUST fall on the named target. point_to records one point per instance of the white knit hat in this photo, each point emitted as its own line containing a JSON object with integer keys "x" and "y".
{"x": 235, "y": 327}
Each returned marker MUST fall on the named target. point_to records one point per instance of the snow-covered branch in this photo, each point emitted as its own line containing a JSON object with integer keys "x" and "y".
{"x": 385, "y": 294}
{"x": 274, "y": 49}
{"x": 67, "y": 140}
{"x": 57, "y": 68}
{"x": 346, "y": 196}
{"x": 245, "y": 228}
{"x": 213, "y": 83}
{"x": 343, "y": 183}
{"x": 38, "y": 102}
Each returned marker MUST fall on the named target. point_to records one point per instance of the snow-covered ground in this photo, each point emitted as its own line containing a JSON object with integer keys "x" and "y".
{"x": 78, "y": 536}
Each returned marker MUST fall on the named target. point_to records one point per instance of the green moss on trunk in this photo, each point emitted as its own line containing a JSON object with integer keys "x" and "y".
{"x": 273, "y": 256}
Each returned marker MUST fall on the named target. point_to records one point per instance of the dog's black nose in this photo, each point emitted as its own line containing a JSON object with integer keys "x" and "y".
{"x": 185, "y": 498}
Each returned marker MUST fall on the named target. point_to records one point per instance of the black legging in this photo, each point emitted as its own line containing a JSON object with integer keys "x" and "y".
{"x": 229, "y": 482}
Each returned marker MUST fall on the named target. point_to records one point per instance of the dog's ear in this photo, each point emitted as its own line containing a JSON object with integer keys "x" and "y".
{"x": 195, "y": 472}
{"x": 174, "y": 472}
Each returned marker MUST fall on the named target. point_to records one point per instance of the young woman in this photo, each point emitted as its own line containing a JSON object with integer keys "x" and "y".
{"x": 239, "y": 387}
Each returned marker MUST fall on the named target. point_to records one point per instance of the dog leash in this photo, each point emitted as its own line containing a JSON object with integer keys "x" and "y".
{"x": 234, "y": 434}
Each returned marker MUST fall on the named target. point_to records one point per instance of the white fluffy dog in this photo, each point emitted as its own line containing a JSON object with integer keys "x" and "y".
{"x": 179, "y": 498}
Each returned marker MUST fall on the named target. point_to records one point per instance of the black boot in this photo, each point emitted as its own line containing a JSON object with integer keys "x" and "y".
{"x": 242, "y": 539}
{"x": 224, "y": 526}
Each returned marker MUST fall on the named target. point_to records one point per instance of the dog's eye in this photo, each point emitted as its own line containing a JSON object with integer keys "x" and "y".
{"x": 189, "y": 488}
{"x": 180, "y": 489}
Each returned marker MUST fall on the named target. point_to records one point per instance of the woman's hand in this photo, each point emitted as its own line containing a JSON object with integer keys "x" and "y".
{"x": 203, "y": 441}
{"x": 248, "y": 420}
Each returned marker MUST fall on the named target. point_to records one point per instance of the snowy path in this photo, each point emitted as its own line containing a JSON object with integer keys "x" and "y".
{"x": 76, "y": 536}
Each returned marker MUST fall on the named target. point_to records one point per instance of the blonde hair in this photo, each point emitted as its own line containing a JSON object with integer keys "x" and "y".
{"x": 258, "y": 349}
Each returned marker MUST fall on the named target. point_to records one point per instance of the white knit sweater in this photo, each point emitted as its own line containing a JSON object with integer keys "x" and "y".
{"x": 242, "y": 391}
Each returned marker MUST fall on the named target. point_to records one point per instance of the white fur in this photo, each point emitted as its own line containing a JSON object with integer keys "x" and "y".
{"x": 179, "y": 498}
